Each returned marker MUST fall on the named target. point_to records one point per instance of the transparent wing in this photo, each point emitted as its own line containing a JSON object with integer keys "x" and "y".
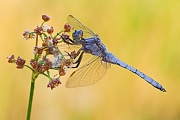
{"x": 106, "y": 65}
{"x": 69, "y": 48}
{"x": 88, "y": 74}
{"x": 79, "y": 26}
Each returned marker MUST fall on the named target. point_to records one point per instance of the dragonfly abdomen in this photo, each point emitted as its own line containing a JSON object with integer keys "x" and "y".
{"x": 142, "y": 75}
{"x": 112, "y": 59}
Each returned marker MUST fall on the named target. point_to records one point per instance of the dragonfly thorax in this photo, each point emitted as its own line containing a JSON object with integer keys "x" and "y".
{"x": 93, "y": 46}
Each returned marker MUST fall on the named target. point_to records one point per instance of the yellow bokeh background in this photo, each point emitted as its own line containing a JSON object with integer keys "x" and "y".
{"x": 143, "y": 33}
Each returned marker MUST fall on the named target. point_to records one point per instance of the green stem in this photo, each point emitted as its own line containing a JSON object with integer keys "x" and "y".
{"x": 34, "y": 76}
{"x": 58, "y": 33}
{"x": 42, "y": 37}
{"x": 60, "y": 52}
{"x": 46, "y": 75}
{"x": 42, "y": 23}
{"x": 29, "y": 67}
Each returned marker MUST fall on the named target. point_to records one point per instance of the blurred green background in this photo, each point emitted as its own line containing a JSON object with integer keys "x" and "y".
{"x": 143, "y": 33}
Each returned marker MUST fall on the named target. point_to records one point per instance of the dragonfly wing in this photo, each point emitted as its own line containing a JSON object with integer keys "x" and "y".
{"x": 79, "y": 26}
{"x": 66, "y": 48}
{"x": 106, "y": 65}
{"x": 88, "y": 74}
{"x": 69, "y": 48}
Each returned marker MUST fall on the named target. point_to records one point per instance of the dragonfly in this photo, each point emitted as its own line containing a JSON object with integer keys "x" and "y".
{"x": 87, "y": 42}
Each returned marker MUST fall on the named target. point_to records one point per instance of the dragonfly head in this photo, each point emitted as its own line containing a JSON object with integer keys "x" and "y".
{"x": 77, "y": 35}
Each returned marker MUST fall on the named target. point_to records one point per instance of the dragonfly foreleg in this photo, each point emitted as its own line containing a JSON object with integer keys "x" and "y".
{"x": 68, "y": 40}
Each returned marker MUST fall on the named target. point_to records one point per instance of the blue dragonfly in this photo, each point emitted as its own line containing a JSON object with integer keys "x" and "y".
{"x": 95, "y": 68}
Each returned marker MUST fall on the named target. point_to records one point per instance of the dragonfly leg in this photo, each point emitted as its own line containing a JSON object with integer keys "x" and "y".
{"x": 68, "y": 40}
{"x": 78, "y": 60}
{"x": 77, "y": 54}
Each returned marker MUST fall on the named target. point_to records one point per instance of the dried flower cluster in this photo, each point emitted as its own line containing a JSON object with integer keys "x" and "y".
{"x": 19, "y": 61}
{"x": 42, "y": 62}
{"x": 55, "y": 82}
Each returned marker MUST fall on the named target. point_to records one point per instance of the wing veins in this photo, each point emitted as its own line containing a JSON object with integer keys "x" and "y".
{"x": 78, "y": 25}
{"x": 88, "y": 74}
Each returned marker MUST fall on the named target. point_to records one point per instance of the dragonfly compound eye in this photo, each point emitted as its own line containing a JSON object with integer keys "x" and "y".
{"x": 77, "y": 34}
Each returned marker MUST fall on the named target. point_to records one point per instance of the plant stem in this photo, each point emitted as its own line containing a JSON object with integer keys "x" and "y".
{"x": 58, "y": 33}
{"x": 34, "y": 76}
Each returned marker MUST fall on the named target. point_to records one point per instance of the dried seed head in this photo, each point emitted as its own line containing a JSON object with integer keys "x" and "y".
{"x": 50, "y": 30}
{"x": 38, "y": 30}
{"x": 34, "y": 63}
{"x": 11, "y": 59}
{"x": 48, "y": 63}
{"x": 28, "y": 35}
{"x": 62, "y": 71}
{"x": 20, "y": 63}
{"x": 55, "y": 82}
{"x": 38, "y": 50}
{"x": 55, "y": 41}
{"x": 67, "y": 27}
{"x": 45, "y": 18}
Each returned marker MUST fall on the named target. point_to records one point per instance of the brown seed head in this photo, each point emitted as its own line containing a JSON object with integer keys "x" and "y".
{"x": 67, "y": 27}
{"x": 45, "y": 18}
{"x": 11, "y": 59}
{"x": 55, "y": 82}
{"x": 50, "y": 30}
{"x": 38, "y": 30}
{"x": 20, "y": 63}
